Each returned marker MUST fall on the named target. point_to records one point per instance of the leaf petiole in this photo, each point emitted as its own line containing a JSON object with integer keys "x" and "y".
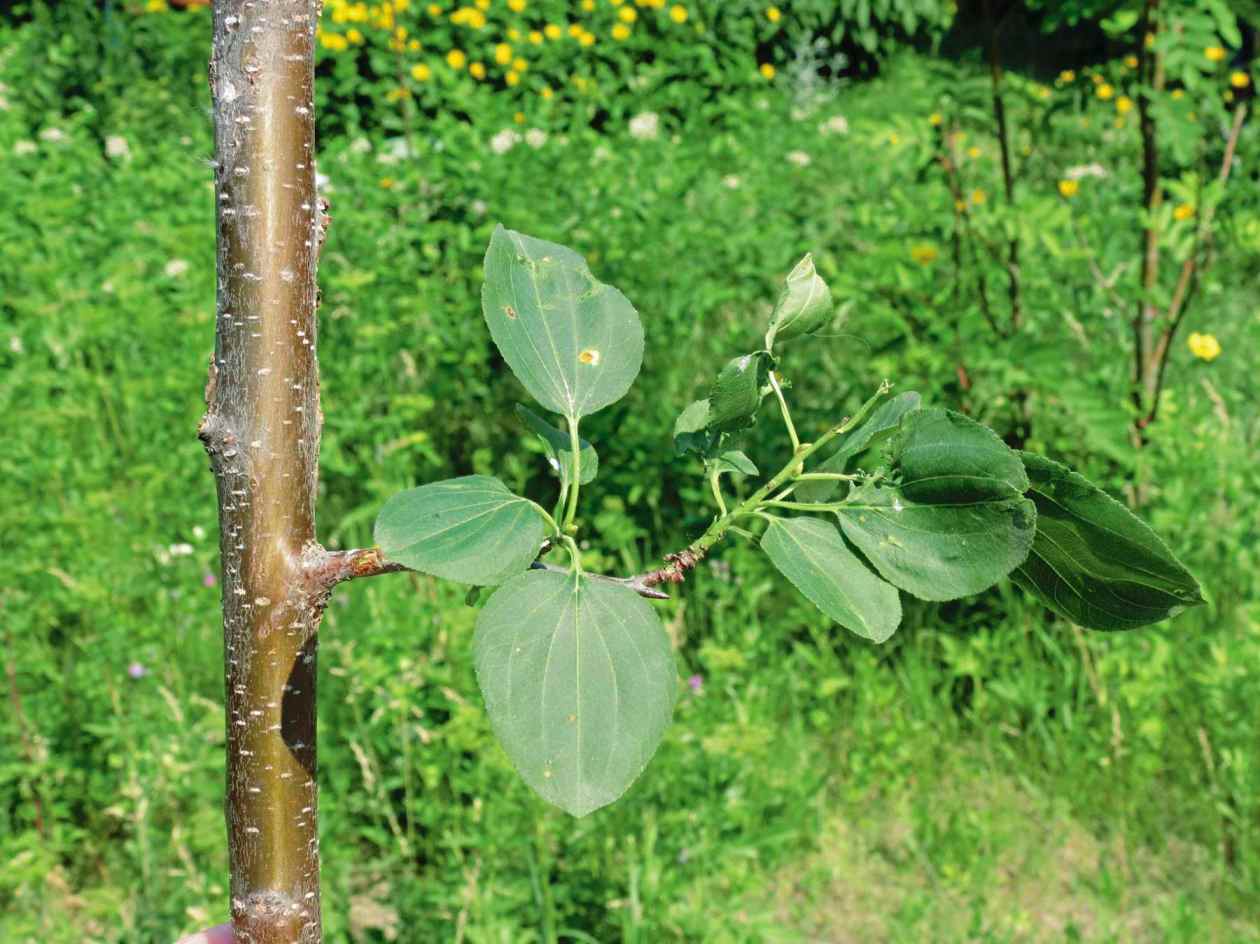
{"x": 787, "y": 414}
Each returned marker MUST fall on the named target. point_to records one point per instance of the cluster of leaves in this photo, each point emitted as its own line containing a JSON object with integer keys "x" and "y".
{"x": 575, "y": 667}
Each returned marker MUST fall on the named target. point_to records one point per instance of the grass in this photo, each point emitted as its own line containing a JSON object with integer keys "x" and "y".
{"x": 987, "y": 775}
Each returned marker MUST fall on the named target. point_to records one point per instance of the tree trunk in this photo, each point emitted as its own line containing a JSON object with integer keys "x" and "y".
{"x": 261, "y": 430}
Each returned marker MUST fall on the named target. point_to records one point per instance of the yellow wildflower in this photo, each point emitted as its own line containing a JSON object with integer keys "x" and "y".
{"x": 519, "y": 117}
{"x": 973, "y": 152}
{"x": 1124, "y": 104}
{"x": 516, "y": 6}
{"x": 1214, "y": 54}
{"x": 1066, "y": 76}
{"x": 387, "y": 182}
{"x": 766, "y": 70}
{"x": 334, "y": 41}
{"x": 586, "y": 39}
{"x": 513, "y": 34}
{"x": 421, "y": 72}
{"x": 477, "y": 70}
{"x": 1204, "y": 346}
{"x": 434, "y": 10}
{"x": 1131, "y": 61}
{"x": 354, "y": 37}
{"x": 588, "y": 5}
{"x": 546, "y": 92}
{"x": 503, "y": 54}
{"x": 553, "y": 31}
{"x": 397, "y": 94}
{"x": 519, "y": 65}
{"x": 1183, "y": 211}
{"x": 960, "y": 206}
{"x": 155, "y": 6}
{"x": 483, "y": 4}
{"x": 1069, "y": 188}
{"x": 678, "y": 14}
{"x": 1178, "y": 94}
{"x": 773, "y": 14}
{"x": 456, "y": 59}
{"x": 1105, "y": 91}
{"x": 935, "y": 119}
{"x": 575, "y": 30}
{"x": 1239, "y": 79}
{"x": 620, "y": 31}
{"x": 1096, "y": 78}
{"x": 512, "y": 78}
{"x": 535, "y": 37}
{"x": 978, "y": 196}
{"x": 924, "y": 253}
{"x": 628, "y": 14}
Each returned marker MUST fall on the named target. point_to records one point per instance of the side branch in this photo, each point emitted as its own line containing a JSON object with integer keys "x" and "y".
{"x": 325, "y": 569}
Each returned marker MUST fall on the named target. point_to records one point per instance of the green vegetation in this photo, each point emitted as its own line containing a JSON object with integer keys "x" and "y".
{"x": 992, "y": 772}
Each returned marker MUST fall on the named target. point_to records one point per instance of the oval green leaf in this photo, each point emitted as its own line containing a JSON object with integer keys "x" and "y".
{"x": 691, "y": 429}
{"x": 579, "y": 684}
{"x": 812, "y": 554}
{"x": 470, "y": 529}
{"x": 1093, "y": 561}
{"x": 558, "y": 447}
{"x": 575, "y": 343}
{"x": 943, "y": 456}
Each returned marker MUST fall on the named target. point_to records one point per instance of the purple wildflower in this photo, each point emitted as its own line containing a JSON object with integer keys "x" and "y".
{"x": 696, "y": 682}
{"x": 137, "y": 671}
{"x": 208, "y": 580}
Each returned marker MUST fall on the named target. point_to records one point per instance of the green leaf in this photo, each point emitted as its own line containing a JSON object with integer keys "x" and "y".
{"x": 470, "y": 529}
{"x": 950, "y": 520}
{"x": 734, "y": 461}
{"x": 812, "y": 554}
{"x": 1093, "y": 561}
{"x": 804, "y": 306}
{"x": 944, "y": 456}
{"x": 881, "y": 424}
{"x": 579, "y": 683}
{"x": 559, "y": 448}
{"x": 737, "y": 392}
{"x": 575, "y": 343}
{"x": 691, "y": 430}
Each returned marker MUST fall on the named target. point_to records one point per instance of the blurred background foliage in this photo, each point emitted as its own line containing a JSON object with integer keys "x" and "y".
{"x": 991, "y": 774}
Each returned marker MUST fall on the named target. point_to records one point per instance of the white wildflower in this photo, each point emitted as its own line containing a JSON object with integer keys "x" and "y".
{"x": 504, "y": 141}
{"x": 175, "y": 268}
{"x": 52, "y": 135}
{"x": 535, "y": 138}
{"x": 731, "y": 182}
{"x": 645, "y": 126}
{"x": 198, "y": 532}
{"x": 360, "y": 145}
{"x": 22, "y": 148}
{"x": 180, "y": 550}
{"x": 15, "y": 345}
{"x": 799, "y": 158}
{"x": 479, "y": 208}
{"x": 601, "y": 153}
{"x": 117, "y": 148}
{"x": 1085, "y": 170}
{"x": 837, "y": 124}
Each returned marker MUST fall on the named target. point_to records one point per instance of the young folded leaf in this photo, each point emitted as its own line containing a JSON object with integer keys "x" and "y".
{"x": 575, "y": 343}
{"x": 1093, "y": 561}
{"x": 950, "y": 520}
{"x": 579, "y": 683}
{"x": 469, "y": 529}
{"x": 881, "y": 425}
{"x": 734, "y": 461}
{"x": 812, "y": 554}
{"x": 559, "y": 448}
{"x": 737, "y": 392}
{"x": 692, "y": 432}
{"x": 803, "y": 307}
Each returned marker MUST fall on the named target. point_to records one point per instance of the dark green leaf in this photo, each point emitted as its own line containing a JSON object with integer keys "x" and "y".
{"x": 691, "y": 429}
{"x": 737, "y": 392}
{"x": 579, "y": 683}
{"x": 1093, "y": 561}
{"x": 950, "y": 520}
{"x": 558, "y": 447}
{"x": 803, "y": 307}
{"x": 812, "y": 554}
{"x": 574, "y": 342}
{"x": 470, "y": 529}
{"x": 879, "y": 427}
